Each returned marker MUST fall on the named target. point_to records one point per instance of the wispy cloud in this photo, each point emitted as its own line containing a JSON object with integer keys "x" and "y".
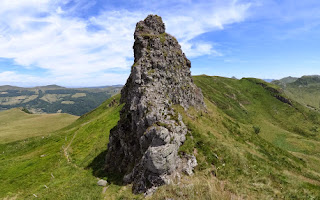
{"x": 287, "y": 19}
{"x": 42, "y": 34}
{"x": 202, "y": 18}
{"x": 27, "y": 80}
{"x": 66, "y": 46}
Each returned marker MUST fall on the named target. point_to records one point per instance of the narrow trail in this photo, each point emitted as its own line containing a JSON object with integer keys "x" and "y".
{"x": 65, "y": 149}
{"x": 67, "y": 156}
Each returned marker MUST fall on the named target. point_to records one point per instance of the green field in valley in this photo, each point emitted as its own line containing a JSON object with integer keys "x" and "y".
{"x": 16, "y": 124}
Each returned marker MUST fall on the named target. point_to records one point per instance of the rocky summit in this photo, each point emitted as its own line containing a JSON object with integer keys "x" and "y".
{"x": 144, "y": 145}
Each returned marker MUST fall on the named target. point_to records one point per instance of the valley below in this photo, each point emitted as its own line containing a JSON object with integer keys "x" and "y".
{"x": 55, "y": 99}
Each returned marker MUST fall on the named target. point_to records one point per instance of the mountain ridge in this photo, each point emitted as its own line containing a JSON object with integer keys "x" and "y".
{"x": 233, "y": 160}
{"x": 305, "y": 90}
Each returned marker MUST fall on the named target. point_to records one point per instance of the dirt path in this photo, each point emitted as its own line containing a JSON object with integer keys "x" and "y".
{"x": 67, "y": 156}
{"x": 65, "y": 149}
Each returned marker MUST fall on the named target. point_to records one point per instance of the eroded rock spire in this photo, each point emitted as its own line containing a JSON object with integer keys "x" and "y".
{"x": 144, "y": 144}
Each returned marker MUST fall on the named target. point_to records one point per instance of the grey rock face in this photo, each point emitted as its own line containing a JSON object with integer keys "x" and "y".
{"x": 144, "y": 145}
{"x": 189, "y": 164}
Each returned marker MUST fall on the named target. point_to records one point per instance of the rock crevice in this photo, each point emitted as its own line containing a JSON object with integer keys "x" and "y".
{"x": 144, "y": 144}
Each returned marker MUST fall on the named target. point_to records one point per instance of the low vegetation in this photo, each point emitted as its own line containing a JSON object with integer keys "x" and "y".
{"x": 234, "y": 162}
{"x": 20, "y": 123}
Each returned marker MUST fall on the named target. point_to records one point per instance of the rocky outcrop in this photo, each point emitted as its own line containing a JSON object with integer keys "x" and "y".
{"x": 144, "y": 144}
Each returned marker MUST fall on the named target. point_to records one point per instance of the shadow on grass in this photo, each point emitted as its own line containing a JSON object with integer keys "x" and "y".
{"x": 98, "y": 170}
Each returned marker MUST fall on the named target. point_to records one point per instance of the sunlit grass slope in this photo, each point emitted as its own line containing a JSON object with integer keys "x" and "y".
{"x": 281, "y": 161}
{"x": 59, "y": 166}
{"x": 251, "y": 142}
{"x": 16, "y": 124}
{"x": 305, "y": 90}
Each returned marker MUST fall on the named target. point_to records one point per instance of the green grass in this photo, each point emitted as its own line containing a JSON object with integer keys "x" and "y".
{"x": 28, "y": 166}
{"x": 16, "y": 124}
{"x": 281, "y": 161}
{"x": 308, "y": 96}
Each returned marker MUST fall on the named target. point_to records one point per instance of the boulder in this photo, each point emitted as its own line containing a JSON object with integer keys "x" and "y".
{"x": 102, "y": 182}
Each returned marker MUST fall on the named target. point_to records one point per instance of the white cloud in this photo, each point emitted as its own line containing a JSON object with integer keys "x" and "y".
{"x": 14, "y": 78}
{"x": 59, "y": 10}
{"x": 202, "y": 18}
{"x": 66, "y": 46}
{"x": 7, "y": 5}
{"x": 101, "y": 79}
{"x": 38, "y": 33}
{"x": 196, "y": 49}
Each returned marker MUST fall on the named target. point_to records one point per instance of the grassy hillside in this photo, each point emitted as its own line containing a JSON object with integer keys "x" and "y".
{"x": 66, "y": 171}
{"x": 16, "y": 124}
{"x": 55, "y": 99}
{"x": 251, "y": 142}
{"x": 305, "y": 90}
{"x": 280, "y": 160}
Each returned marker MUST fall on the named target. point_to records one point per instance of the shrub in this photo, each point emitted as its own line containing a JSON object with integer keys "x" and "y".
{"x": 26, "y": 111}
{"x": 256, "y": 129}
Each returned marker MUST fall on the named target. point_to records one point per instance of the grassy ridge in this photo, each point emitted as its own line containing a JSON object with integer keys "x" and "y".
{"x": 16, "y": 124}
{"x": 281, "y": 161}
{"x": 255, "y": 165}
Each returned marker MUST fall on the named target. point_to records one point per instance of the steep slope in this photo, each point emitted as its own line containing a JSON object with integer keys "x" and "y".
{"x": 144, "y": 145}
{"x": 305, "y": 90}
{"x": 280, "y": 160}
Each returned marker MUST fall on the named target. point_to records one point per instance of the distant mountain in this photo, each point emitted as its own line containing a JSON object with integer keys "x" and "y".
{"x": 55, "y": 99}
{"x": 305, "y": 90}
{"x": 284, "y": 81}
{"x": 9, "y": 87}
{"x": 307, "y": 81}
{"x": 288, "y": 79}
{"x": 50, "y": 87}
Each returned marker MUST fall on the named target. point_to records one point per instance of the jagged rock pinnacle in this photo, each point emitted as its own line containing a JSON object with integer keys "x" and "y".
{"x": 153, "y": 24}
{"x": 144, "y": 145}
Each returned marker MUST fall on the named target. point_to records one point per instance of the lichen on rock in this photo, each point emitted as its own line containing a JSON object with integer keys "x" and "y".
{"x": 144, "y": 144}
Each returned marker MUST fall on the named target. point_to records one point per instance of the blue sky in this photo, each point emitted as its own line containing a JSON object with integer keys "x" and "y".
{"x": 89, "y": 43}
